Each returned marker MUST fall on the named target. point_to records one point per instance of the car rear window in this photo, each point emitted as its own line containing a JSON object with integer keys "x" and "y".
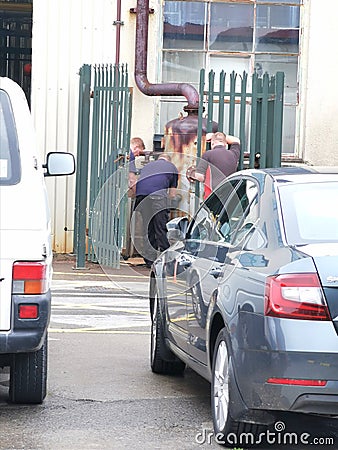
{"x": 309, "y": 212}
{"x": 10, "y": 170}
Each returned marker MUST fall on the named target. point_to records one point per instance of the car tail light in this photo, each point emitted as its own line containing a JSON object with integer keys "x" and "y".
{"x": 295, "y": 296}
{"x": 29, "y": 278}
{"x": 296, "y": 382}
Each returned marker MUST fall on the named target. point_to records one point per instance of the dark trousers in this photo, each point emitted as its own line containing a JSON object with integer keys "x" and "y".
{"x": 155, "y": 215}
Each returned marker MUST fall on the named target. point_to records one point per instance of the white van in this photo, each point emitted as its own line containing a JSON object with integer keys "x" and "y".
{"x": 25, "y": 247}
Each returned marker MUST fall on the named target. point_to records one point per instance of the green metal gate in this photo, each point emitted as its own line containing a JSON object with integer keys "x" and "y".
{"x": 105, "y": 115}
{"x": 251, "y": 109}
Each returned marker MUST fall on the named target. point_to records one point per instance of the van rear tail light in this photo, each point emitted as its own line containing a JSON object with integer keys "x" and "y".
{"x": 28, "y": 311}
{"x": 295, "y": 296}
{"x": 29, "y": 278}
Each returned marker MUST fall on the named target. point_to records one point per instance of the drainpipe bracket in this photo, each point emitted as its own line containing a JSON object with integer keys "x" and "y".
{"x": 191, "y": 109}
{"x": 118, "y": 22}
{"x": 134, "y": 10}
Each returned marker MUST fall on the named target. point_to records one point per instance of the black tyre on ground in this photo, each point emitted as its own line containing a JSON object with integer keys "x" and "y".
{"x": 162, "y": 360}
{"x": 28, "y": 376}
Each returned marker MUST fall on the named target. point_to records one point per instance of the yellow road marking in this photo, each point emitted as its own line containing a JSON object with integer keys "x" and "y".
{"x": 175, "y": 303}
{"x": 178, "y": 319}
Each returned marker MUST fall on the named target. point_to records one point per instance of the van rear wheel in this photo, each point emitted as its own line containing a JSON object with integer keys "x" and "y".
{"x": 28, "y": 376}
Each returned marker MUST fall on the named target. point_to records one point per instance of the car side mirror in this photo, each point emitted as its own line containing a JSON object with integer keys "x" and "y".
{"x": 177, "y": 229}
{"x": 174, "y": 236}
{"x": 59, "y": 163}
{"x": 255, "y": 240}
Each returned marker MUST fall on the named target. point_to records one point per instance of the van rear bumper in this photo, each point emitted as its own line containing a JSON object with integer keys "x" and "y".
{"x": 26, "y": 335}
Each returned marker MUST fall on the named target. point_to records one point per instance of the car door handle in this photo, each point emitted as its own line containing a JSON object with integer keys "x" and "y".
{"x": 185, "y": 263}
{"x": 216, "y": 272}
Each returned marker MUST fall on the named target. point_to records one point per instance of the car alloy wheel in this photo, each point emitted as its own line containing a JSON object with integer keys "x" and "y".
{"x": 221, "y": 395}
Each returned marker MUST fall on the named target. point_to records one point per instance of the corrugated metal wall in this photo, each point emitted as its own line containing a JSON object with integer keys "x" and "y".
{"x": 66, "y": 34}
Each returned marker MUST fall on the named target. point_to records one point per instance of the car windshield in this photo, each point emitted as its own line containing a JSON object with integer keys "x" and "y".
{"x": 309, "y": 212}
{"x": 9, "y": 152}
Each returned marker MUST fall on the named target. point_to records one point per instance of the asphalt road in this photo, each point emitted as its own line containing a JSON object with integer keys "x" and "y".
{"x": 101, "y": 391}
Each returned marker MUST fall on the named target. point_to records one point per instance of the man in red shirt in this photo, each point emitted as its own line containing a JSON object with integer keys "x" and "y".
{"x": 217, "y": 163}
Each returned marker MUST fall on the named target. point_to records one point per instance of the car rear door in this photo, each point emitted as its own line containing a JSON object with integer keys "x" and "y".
{"x": 232, "y": 224}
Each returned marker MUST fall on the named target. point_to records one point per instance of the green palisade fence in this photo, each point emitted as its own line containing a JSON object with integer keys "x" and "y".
{"x": 251, "y": 108}
{"x": 109, "y": 128}
{"x": 80, "y": 215}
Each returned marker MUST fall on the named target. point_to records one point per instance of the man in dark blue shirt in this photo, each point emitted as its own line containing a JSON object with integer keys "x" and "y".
{"x": 156, "y": 184}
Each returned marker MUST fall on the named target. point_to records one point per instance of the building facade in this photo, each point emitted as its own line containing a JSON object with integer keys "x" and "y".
{"x": 294, "y": 36}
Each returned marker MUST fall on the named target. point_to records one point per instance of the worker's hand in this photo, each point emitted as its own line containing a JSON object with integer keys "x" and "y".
{"x": 208, "y": 137}
{"x": 190, "y": 174}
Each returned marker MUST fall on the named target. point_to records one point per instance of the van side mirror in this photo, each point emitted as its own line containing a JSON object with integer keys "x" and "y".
{"x": 59, "y": 163}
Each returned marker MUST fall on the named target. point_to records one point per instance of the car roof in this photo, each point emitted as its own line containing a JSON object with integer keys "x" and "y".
{"x": 297, "y": 174}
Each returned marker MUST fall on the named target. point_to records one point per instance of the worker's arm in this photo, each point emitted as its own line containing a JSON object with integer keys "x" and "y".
{"x": 198, "y": 173}
{"x": 132, "y": 179}
{"x": 199, "y": 176}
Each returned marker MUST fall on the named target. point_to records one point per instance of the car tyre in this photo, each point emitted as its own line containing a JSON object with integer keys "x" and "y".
{"x": 221, "y": 396}
{"x": 162, "y": 360}
{"x": 28, "y": 376}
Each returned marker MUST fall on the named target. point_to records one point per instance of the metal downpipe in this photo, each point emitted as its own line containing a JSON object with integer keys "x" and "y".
{"x": 141, "y": 55}
{"x": 118, "y": 23}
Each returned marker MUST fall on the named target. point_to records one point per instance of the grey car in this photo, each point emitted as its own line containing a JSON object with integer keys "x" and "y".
{"x": 247, "y": 296}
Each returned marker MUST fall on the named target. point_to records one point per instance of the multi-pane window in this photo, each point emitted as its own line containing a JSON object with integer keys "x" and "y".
{"x": 16, "y": 42}
{"x": 261, "y": 35}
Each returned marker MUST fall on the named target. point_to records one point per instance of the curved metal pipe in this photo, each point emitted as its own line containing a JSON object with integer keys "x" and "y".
{"x": 141, "y": 54}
